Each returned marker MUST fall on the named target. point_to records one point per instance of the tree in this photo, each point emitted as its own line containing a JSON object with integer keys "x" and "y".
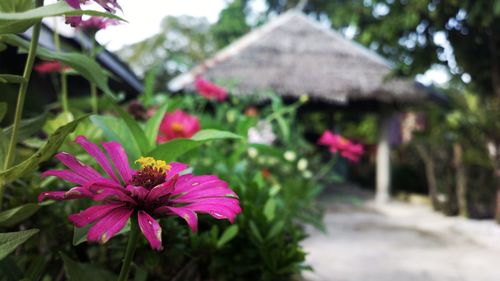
{"x": 231, "y": 24}
{"x": 462, "y": 35}
{"x": 182, "y": 42}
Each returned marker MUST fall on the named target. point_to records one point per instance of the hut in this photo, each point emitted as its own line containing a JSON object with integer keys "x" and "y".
{"x": 294, "y": 55}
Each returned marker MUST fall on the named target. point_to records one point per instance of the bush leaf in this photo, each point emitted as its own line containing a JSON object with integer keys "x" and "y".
{"x": 76, "y": 271}
{"x": 228, "y": 235}
{"x": 11, "y": 240}
{"x": 45, "y": 152}
{"x": 88, "y": 68}
{"x": 171, "y": 150}
{"x": 18, "y": 214}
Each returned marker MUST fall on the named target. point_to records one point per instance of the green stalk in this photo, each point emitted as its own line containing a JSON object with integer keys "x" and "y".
{"x": 129, "y": 253}
{"x": 9, "y": 159}
{"x": 64, "y": 79}
{"x": 93, "y": 87}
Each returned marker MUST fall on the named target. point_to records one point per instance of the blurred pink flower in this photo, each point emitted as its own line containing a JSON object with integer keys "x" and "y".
{"x": 97, "y": 23}
{"x": 153, "y": 191}
{"x": 347, "y": 148}
{"x": 210, "y": 90}
{"x": 178, "y": 124}
{"x": 109, "y": 5}
{"x": 49, "y": 67}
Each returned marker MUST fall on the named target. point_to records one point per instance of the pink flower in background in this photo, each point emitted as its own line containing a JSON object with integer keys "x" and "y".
{"x": 347, "y": 148}
{"x": 109, "y": 5}
{"x": 155, "y": 190}
{"x": 178, "y": 124}
{"x": 97, "y": 23}
{"x": 209, "y": 90}
{"x": 49, "y": 67}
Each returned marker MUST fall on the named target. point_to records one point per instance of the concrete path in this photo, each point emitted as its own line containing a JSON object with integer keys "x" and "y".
{"x": 401, "y": 242}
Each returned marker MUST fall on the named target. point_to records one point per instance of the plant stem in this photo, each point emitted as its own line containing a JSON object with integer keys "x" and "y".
{"x": 93, "y": 87}
{"x": 64, "y": 79}
{"x": 129, "y": 253}
{"x": 9, "y": 159}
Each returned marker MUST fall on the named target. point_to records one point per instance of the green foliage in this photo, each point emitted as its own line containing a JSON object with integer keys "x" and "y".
{"x": 10, "y": 241}
{"x": 88, "y": 68}
{"x": 45, "y": 152}
{"x": 76, "y": 271}
{"x": 231, "y": 24}
{"x": 18, "y": 214}
{"x": 171, "y": 150}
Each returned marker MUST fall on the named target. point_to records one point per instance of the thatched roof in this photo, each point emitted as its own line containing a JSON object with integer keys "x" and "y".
{"x": 295, "y": 55}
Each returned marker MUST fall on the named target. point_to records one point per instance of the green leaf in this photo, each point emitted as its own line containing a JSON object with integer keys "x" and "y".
{"x": 60, "y": 120}
{"x": 88, "y": 68}
{"x": 80, "y": 234}
{"x": 270, "y": 209}
{"x": 18, "y": 214}
{"x": 27, "y": 127}
{"x": 275, "y": 230}
{"x": 36, "y": 268}
{"x": 149, "y": 85}
{"x": 10, "y": 269}
{"x": 11, "y": 240}
{"x": 76, "y": 271}
{"x": 115, "y": 129}
{"x": 139, "y": 137}
{"x": 20, "y": 22}
{"x": 9, "y": 78}
{"x": 3, "y": 110}
{"x": 51, "y": 146}
{"x": 228, "y": 235}
{"x": 171, "y": 150}
{"x": 153, "y": 124}
{"x": 12, "y": 6}
{"x": 255, "y": 231}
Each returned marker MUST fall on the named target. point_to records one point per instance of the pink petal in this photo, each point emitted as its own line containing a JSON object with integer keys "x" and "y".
{"x": 175, "y": 168}
{"x": 98, "y": 155}
{"x": 151, "y": 230}
{"x": 191, "y": 187}
{"x": 113, "y": 195}
{"x": 120, "y": 159}
{"x": 138, "y": 192}
{"x": 74, "y": 193}
{"x": 92, "y": 214}
{"x": 76, "y": 166}
{"x": 327, "y": 138}
{"x": 109, "y": 225}
{"x": 54, "y": 195}
{"x": 161, "y": 190}
{"x": 187, "y": 214}
{"x": 227, "y": 210}
{"x": 66, "y": 175}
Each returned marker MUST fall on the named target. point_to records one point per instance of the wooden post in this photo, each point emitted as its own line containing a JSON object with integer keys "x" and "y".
{"x": 383, "y": 161}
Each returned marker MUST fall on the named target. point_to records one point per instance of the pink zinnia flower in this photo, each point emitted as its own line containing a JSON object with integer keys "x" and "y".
{"x": 153, "y": 191}
{"x": 347, "y": 148}
{"x": 49, "y": 67}
{"x": 209, "y": 90}
{"x": 178, "y": 124}
{"x": 109, "y": 5}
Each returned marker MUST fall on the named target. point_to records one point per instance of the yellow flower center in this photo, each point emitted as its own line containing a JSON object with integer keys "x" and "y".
{"x": 150, "y": 162}
{"x": 177, "y": 127}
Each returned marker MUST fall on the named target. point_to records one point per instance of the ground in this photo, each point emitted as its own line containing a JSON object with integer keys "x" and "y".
{"x": 400, "y": 242}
